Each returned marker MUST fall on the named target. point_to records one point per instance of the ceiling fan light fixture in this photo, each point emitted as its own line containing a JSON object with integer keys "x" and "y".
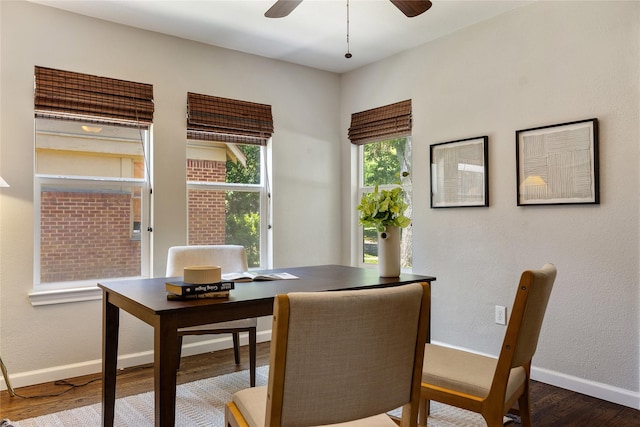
{"x": 348, "y": 54}
{"x": 410, "y": 8}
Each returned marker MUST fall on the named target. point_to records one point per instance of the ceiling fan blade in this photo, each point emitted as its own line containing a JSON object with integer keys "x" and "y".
{"x": 412, "y": 8}
{"x": 282, "y": 8}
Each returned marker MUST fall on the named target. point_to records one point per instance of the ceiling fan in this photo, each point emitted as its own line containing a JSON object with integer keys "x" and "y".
{"x": 410, "y": 8}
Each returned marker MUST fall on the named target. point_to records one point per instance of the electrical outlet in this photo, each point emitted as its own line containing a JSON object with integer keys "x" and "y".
{"x": 501, "y": 315}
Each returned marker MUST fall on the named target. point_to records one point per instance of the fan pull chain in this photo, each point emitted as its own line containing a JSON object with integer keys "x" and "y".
{"x": 348, "y": 54}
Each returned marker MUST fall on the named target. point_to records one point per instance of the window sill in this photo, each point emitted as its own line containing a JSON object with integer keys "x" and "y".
{"x": 63, "y": 296}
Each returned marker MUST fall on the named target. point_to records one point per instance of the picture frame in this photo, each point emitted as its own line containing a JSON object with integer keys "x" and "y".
{"x": 558, "y": 164}
{"x": 459, "y": 173}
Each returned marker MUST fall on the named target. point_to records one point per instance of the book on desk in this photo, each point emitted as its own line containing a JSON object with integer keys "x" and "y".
{"x": 248, "y": 276}
{"x": 181, "y": 290}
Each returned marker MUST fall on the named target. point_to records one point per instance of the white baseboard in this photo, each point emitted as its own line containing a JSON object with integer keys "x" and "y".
{"x": 590, "y": 388}
{"x": 602, "y": 391}
{"x": 54, "y": 373}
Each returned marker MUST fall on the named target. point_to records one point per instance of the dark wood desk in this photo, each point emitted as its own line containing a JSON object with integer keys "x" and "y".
{"x": 146, "y": 299}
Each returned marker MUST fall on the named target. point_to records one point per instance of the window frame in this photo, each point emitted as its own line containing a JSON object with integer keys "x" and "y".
{"x": 83, "y": 290}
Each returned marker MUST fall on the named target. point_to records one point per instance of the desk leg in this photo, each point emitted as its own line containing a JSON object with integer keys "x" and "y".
{"x": 110, "y": 326}
{"x": 165, "y": 362}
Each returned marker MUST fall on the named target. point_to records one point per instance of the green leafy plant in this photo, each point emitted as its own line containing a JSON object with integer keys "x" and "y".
{"x": 383, "y": 208}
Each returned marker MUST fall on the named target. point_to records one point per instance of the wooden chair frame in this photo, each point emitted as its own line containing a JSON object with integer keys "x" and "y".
{"x": 495, "y": 405}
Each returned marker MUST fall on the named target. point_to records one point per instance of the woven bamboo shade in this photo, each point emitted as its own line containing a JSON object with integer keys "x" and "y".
{"x": 211, "y": 118}
{"x": 65, "y": 94}
{"x": 382, "y": 123}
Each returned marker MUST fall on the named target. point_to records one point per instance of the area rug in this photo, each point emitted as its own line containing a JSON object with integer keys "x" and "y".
{"x": 201, "y": 404}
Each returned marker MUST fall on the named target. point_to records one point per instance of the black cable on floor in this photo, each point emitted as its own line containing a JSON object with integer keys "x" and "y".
{"x": 59, "y": 383}
{"x": 13, "y": 393}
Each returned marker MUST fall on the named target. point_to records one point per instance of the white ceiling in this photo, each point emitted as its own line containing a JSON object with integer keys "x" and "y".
{"x": 314, "y": 34}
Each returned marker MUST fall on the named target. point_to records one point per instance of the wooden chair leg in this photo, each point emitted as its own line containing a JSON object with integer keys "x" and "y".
{"x": 179, "y": 351}
{"x": 524, "y": 407}
{"x": 236, "y": 347}
{"x": 252, "y": 357}
{"x": 423, "y": 412}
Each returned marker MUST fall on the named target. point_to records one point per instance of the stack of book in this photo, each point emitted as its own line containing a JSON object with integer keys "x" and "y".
{"x": 179, "y": 290}
{"x": 200, "y": 281}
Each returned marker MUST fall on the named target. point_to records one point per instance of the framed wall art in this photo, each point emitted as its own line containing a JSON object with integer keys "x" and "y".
{"x": 459, "y": 171}
{"x": 558, "y": 164}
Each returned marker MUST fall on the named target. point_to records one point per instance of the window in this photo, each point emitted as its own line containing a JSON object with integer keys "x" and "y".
{"x": 386, "y": 164}
{"x": 92, "y": 186}
{"x": 227, "y": 180}
{"x": 92, "y": 198}
{"x": 383, "y": 136}
{"x": 227, "y": 196}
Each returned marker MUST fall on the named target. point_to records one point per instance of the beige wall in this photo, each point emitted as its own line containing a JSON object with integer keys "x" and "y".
{"x": 547, "y": 63}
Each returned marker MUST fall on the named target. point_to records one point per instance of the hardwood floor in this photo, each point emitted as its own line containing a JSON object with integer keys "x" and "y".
{"x": 552, "y": 406}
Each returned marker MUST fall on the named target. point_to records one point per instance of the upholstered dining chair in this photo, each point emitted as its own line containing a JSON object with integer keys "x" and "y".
{"x": 231, "y": 258}
{"x": 487, "y": 385}
{"x": 343, "y": 357}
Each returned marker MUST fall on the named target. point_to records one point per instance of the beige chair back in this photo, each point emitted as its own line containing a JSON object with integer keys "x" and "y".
{"x": 538, "y": 284}
{"x": 339, "y": 356}
{"x": 521, "y": 339}
{"x": 231, "y": 258}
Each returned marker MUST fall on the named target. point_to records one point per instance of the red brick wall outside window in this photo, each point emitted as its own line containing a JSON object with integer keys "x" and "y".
{"x": 86, "y": 235}
{"x": 206, "y": 207}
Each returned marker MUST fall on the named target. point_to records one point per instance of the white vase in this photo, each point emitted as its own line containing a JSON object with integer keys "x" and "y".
{"x": 389, "y": 252}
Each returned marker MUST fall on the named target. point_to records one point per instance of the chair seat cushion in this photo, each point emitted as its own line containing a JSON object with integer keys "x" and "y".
{"x": 233, "y": 324}
{"x": 465, "y": 372}
{"x": 252, "y": 403}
